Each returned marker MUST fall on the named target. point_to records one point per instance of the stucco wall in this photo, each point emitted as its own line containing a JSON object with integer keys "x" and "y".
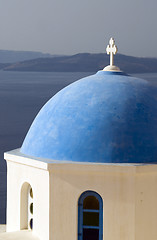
{"x": 146, "y": 203}
{"x": 17, "y": 175}
{"x": 115, "y": 184}
{"x": 129, "y": 194}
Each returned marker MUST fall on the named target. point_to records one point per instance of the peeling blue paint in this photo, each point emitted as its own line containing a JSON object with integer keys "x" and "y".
{"x": 107, "y": 117}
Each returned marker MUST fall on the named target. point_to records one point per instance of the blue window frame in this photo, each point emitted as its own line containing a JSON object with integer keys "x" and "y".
{"x": 90, "y": 216}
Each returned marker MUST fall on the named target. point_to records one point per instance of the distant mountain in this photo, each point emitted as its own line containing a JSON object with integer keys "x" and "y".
{"x": 7, "y": 56}
{"x": 3, "y": 65}
{"x": 85, "y": 62}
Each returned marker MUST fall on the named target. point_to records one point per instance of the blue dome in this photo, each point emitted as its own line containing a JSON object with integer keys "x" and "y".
{"x": 108, "y": 117}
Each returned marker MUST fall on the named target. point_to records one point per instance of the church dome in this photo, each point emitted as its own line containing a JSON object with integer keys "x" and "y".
{"x": 108, "y": 117}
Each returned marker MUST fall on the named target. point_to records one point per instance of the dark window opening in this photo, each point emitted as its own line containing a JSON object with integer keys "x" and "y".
{"x": 90, "y": 216}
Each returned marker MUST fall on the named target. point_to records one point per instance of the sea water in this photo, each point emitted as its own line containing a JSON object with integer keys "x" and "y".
{"x": 22, "y": 94}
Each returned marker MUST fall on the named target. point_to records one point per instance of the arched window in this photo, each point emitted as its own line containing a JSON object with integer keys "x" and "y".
{"x": 90, "y": 216}
{"x": 26, "y": 214}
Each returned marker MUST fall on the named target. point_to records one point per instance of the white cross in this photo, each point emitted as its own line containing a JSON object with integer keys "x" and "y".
{"x": 111, "y": 49}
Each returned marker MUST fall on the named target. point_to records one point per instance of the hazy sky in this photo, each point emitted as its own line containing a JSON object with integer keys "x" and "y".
{"x": 70, "y": 26}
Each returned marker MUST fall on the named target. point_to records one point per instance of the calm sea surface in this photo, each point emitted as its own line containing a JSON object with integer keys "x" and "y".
{"x": 22, "y": 94}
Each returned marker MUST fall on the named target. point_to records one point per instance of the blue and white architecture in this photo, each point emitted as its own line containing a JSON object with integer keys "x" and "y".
{"x": 87, "y": 168}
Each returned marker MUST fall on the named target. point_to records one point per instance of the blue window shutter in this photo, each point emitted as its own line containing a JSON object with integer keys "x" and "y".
{"x": 81, "y": 227}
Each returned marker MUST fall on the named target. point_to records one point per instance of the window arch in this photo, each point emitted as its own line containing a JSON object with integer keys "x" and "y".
{"x": 90, "y": 216}
{"x": 26, "y": 211}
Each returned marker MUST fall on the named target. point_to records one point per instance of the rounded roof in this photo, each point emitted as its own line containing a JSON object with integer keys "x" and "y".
{"x": 108, "y": 117}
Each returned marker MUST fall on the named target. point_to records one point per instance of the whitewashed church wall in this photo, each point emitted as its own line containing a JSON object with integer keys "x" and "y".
{"x": 146, "y": 204}
{"x": 113, "y": 184}
{"x": 39, "y": 181}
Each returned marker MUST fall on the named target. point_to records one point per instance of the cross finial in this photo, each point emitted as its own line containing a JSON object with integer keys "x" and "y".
{"x": 112, "y": 50}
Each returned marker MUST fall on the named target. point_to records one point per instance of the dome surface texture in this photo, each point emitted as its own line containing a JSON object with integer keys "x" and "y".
{"x": 108, "y": 117}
